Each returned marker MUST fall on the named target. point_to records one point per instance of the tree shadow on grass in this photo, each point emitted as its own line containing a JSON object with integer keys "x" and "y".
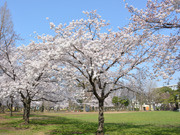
{"x": 57, "y": 125}
{"x": 15, "y": 115}
{"x": 67, "y": 126}
{"x": 147, "y": 129}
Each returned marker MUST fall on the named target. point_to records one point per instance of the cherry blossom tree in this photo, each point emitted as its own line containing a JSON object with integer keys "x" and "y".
{"x": 28, "y": 72}
{"x": 7, "y": 35}
{"x": 98, "y": 58}
{"x": 161, "y": 17}
{"x": 7, "y": 40}
{"x": 10, "y": 100}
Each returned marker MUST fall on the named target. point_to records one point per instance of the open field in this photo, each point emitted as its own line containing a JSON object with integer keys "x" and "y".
{"x": 132, "y": 123}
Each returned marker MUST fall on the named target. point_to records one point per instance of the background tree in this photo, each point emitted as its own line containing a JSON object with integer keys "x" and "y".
{"x": 150, "y": 86}
{"x": 10, "y": 104}
{"x": 167, "y": 97}
{"x": 33, "y": 77}
{"x": 166, "y": 94}
{"x": 115, "y": 101}
{"x": 178, "y": 85}
{"x": 120, "y": 103}
{"x": 124, "y": 102}
{"x": 141, "y": 78}
{"x": 8, "y": 38}
{"x": 7, "y": 41}
{"x": 178, "y": 93}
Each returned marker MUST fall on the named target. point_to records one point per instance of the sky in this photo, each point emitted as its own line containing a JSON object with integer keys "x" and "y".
{"x": 30, "y": 15}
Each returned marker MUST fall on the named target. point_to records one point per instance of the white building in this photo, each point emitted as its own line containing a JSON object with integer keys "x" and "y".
{"x": 173, "y": 86}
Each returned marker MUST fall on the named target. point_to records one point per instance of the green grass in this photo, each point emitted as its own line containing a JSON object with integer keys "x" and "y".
{"x": 136, "y": 123}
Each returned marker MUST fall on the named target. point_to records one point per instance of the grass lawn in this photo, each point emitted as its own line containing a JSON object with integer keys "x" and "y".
{"x": 132, "y": 123}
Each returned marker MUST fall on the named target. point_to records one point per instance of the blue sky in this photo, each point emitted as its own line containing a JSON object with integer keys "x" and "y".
{"x": 30, "y": 15}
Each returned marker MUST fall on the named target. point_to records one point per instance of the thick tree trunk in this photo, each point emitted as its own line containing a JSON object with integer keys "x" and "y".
{"x": 27, "y": 104}
{"x": 100, "y": 130}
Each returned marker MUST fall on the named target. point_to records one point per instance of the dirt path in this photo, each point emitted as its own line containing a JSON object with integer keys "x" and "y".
{"x": 97, "y": 112}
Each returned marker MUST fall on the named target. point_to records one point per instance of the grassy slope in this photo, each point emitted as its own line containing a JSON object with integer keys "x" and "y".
{"x": 144, "y": 123}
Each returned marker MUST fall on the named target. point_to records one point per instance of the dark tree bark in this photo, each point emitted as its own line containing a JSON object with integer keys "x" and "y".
{"x": 42, "y": 107}
{"x": 27, "y": 105}
{"x": 10, "y": 105}
{"x": 101, "y": 97}
{"x": 2, "y": 108}
{"x": 100, "y": 130}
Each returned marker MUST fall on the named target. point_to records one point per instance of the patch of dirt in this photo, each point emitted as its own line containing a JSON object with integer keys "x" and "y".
{"x": 7, "y": 128}
{"x": 38, "y": 118}
{"x": 40, "y": 133}
{"x": 69, "y": 132}
{"x": 97, "y": 112}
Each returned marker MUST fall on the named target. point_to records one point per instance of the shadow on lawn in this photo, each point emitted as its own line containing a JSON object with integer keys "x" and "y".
{"x": 67, "y": 126}
{"x": 148, "y": 129}
{"x": 64, "y": 126}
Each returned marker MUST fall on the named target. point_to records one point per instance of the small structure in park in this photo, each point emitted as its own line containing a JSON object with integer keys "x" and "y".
{"x": 146, "y": 107}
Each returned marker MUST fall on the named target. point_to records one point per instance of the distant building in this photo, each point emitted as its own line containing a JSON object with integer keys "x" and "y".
{"x": 173, "y": 87}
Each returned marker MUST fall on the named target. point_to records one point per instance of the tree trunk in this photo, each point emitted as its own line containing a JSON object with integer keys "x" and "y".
{"x": 26, "y": 114}
{"x": 176, "y": 106}
{"x": 141, "y": 104}
{"x": 10, "y": 106}
{"x": 42, "y": 107}
{"x": 116, "y": 106}
{"x": 16, "y": 108}
{"x": 84, "y": 108}
{"x": 11, "y": 113}
{"x": 11, "y": 109}
{"x": 100, "y": 130}
{"x": 2, "y": 109}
